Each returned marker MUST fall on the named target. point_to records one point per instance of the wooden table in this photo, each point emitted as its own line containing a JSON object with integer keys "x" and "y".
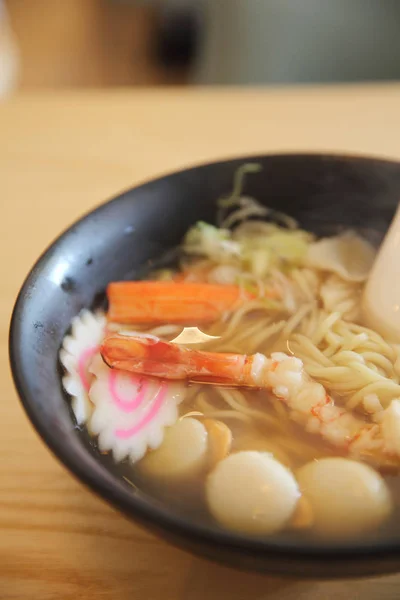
{"x": 60, "y": 155}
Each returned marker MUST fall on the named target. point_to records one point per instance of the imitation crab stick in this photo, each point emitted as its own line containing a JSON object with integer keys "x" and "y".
{"x": 169, "y": 302}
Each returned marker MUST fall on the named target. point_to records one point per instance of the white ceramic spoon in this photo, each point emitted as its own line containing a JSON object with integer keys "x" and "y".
{"x": 381, "y": 298}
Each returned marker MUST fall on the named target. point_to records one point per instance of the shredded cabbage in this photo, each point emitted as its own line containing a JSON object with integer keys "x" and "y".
{"x": 277, "y": 249}
{"x": 163, "y": 275}
{"x": 211, "y": 242}
{"x": 257, "y": 254}
{"x": 257, "y": 241}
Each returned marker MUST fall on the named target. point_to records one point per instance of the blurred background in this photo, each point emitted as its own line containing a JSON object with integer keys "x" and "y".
{"x": 51, "y": 44}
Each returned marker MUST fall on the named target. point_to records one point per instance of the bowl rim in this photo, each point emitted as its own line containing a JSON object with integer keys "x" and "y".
{"x": 137, "y": 508}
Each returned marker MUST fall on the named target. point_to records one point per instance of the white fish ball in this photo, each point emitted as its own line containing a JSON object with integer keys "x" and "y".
{"x": 251, "y": 492}
{"x": 182, "y": 454}
{"x": 347, "y": 498}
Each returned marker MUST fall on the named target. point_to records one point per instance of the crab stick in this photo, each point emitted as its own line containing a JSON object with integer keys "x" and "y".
{"x": 169, "y": 302}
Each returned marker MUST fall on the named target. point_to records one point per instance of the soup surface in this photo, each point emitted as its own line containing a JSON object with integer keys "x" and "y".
{"x": 241, "y": 387}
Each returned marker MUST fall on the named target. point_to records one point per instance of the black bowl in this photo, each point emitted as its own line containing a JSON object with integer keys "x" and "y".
{"x": 122, "y": 237}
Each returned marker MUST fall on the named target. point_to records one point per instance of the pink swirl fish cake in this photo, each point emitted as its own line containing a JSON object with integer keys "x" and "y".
{"x": 130, "y": 412}
{"x": 78, "y": 349}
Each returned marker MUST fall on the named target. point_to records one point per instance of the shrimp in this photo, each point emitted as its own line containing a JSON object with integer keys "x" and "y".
{"x": 308, "y": 402}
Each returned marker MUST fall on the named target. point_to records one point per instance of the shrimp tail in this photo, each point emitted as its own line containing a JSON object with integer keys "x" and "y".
{"x": 148, "y": 355}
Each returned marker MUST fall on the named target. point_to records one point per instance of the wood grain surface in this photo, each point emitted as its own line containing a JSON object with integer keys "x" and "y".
{"x": 60, "y": 155}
